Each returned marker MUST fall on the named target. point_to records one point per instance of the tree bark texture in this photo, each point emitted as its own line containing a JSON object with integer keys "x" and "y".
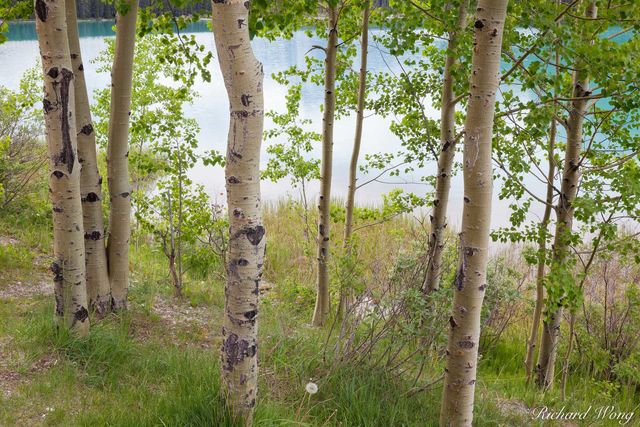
{"x": 98, "y": 288}
{"x": 564, "y": 211}
{"x": 470, "y": 282}
{"x": 448, "y": 142}
{"x": 532, "y": 343}
{"x": 362, "y": 96}
{"x": 118, "y": 156}
{"x": 68, "y": 266}
{"x": 355, "y": 153}
{"x": 323, "y": 301}
{"x": 243, "y": 77}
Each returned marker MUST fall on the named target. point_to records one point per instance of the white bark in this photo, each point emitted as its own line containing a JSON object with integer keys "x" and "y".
{"x": 68, "y": 266}
{"x": 448, "y": 143}
{"x": 98, "y": 289}
{"x": 243, "y": 77}
{"x": 532, "y": 344}
{"x": 345, "y": 294}
{"x": 470, "y": 282}
{"x": 362, "y": 96}
{"x": 323, "y": 301}
{"x": 118, "y": 156}
{"x": 564, "y": 211}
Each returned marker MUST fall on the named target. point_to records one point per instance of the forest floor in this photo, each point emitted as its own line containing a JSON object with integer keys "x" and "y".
{"x": 158, "y": 363}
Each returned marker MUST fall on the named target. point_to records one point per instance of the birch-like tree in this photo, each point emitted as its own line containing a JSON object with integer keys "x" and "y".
{"x": 470, "y": 282}
{"x": 243, "y": 76}
{"x": 98, "y": 288}
{"x": 357, "y": 140}
{"x": 580, "y": 71}
{"x": 274, "y": 21}
{"x": 68, "y": 266}
{"x": 448, "y": 141}
{"x": 323, "y": 300}
{"x": 565, "y": 214}
{"x": 118, "y": 153}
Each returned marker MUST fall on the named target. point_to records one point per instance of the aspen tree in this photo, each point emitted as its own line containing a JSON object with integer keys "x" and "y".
{"x": 470, "y": 281}
{"x": 118, "y": 153}
{"x": 532, "y": 342}
{"x": 98, "y": 289}
{"x": 564, "y": 212}
{"x": 243, "y": 77}
{"x": 362, "y": 95}
{"x": 542, "y": 250}
{"x": 323, "y": 301}
{"x": 448, "y": 141}
{"x": 68, "y": 266}
{"x": 357, "y": 142}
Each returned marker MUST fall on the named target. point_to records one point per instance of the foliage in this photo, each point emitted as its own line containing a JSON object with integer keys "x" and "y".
{"x": 11, "y": 10}
{"x": 291, "y": 159}
{"x": 147, "y": 367}
{"x": 164, "y": 148}
{"x": 179, "y": 51}
{"x": 22, "y": 154}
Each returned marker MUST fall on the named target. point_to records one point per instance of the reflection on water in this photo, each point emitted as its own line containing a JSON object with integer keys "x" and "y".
{"x": 210, "y": 109}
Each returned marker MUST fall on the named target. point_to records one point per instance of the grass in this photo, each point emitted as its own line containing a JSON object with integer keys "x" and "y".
{"x": 158, "y": 363}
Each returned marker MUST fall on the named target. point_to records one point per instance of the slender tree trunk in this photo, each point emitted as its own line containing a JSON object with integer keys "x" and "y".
{"x": 448, "y": 142}
{"x": 98, "y": 289}
{"x": 564, "y": 210}
{"x": 171, "y": 254}
{"x": 174, "y": 273}
{"x": 353, "y": 166}
{"x": 118, "y": 155}
{"x": 323, "y": 301}
{"x": 542, "y": 260}
{"x": 470, "y": 282}
{"x": 68, "y": 266}
{"x": 243, "y": 77}
{"x": 179, "y": 231}
{"x": 567, "y": 357}
{"x": 362, "y": 96}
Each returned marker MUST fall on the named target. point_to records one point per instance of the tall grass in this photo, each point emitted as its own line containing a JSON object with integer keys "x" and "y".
{"x": 141, "y": 369}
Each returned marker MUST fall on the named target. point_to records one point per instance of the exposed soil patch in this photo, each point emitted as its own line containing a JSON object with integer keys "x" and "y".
{"x": 18, "y": 289}
{"x": 6, "y": 241}
{"x": 43, "y": 364}
{"x": 183, "y": 323}
{"x": 9, "y": 381}
{"x": 515, "y": 408}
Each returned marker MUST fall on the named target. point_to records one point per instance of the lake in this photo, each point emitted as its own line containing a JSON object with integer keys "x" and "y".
{"x": 21, "y": 53}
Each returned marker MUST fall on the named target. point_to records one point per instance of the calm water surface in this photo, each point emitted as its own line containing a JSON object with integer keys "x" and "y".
{"x": 210, "y": 109}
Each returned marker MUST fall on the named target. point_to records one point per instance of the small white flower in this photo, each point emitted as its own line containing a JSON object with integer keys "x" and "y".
{"x": 312, "y": 388}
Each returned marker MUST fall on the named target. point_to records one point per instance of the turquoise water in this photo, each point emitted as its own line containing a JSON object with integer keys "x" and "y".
{"x": 26, "y": 31}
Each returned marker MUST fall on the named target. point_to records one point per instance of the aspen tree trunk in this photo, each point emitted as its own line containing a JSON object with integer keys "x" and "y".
{"x": 98, "y": 289}
{"x": 68, "y": 266}
{"x": 176, "y": 276}
{"x": 323, "y": 302}
{"x": 532, "y": 343}
{"x": 353, "y": 166}
{"x": 243, "y": 77}
{"x": 542, "y": 250}
{"x": 118, "y": 156}
{"x": 470, "y": 282}
{"x": 362, "y": 96}
{"x": 445, "y": 159}
{"x": 564, "y": 212}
